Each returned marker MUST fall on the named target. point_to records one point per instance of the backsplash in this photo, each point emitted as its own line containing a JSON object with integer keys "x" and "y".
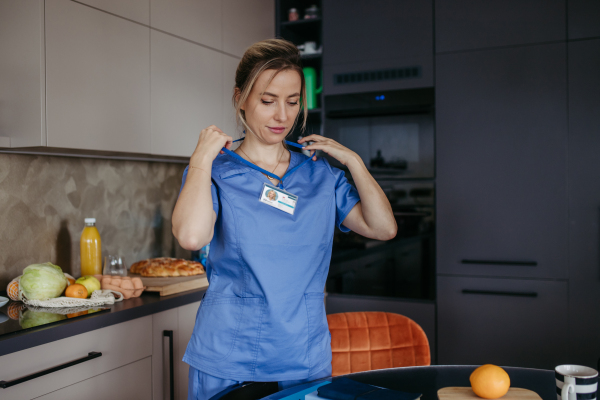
{"x": 44, "y": 199}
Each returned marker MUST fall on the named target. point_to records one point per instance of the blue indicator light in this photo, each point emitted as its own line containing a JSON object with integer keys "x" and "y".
{"x": 380, "y": 97}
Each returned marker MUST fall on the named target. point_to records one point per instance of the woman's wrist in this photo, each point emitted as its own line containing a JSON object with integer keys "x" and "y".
{"x": 201, "y": 161}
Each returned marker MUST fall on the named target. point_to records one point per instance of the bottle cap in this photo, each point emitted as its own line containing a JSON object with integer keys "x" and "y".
{"x": 90, "y": 220}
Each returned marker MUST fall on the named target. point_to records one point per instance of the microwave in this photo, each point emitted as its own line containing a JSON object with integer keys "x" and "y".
{"x": 392, "y": 131}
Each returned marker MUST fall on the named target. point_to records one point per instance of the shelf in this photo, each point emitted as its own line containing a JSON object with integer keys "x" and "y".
{"x": 313, "y": 56}
{"x": 300, "y": 22}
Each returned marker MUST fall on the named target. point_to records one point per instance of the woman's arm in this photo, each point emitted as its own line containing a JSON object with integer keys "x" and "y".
{"x": 193, "y": 216}
{"x": 372, "y": 216}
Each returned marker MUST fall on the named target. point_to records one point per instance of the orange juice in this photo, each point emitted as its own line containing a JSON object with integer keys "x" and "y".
{"x": 91, "y": 249}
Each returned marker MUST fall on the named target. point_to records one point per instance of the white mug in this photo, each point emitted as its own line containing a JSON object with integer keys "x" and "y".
{"x": 310, "y": 47}
{"x": 576, "y": 382}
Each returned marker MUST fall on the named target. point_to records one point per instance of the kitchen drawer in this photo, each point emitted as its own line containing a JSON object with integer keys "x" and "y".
{"x": 119, "y": 344}
{"x": 131, "y": 382}
{"x": 514, "y": 322}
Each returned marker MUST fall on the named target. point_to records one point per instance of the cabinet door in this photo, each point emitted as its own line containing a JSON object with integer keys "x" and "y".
{"x": 229, "y": 124}
{"x": 246, "y": 22}
{"x": 136, "y": 10}
{"x": 473, "y": 24}
{"x": 501, "y": 162}
{"x": 521, "y": 323}
{"x": 377, "y": 35}
{"x": 22, "y": 85}
{"x": 131, "y": 381}
{"x": 187, "y": 319}
{"x": 584, "y": 200}
{"x": 187, "y": 93}
{"x": 164, "y": 321}
{"x": 97, "y": 80}
{"x": 583, "y": 18}
{"x": 199, "y": 21}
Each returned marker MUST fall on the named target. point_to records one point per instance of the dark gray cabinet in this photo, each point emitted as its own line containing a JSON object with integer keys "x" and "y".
{"x": 360, "y": 36}
{"x": 584, "y": 18}
{"x": 475, "y": 24}
{"x": 501, "y": 132}
{"x": 584, "y": 201}
{"x": 521, "y": 323}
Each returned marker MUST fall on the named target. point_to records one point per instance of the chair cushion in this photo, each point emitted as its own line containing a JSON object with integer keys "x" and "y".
{"x": 364, "y": 341}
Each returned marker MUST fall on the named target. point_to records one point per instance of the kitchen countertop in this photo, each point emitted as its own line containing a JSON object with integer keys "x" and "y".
{"x": 148, "y": 303}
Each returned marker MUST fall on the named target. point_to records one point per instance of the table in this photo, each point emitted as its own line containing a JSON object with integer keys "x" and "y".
{"x": 426, "y": 380}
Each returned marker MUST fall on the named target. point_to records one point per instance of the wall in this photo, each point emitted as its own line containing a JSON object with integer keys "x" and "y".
{"x": 44, "y": 199}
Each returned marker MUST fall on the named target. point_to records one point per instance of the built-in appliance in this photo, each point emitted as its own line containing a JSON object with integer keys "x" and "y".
{"x": 393, "y": 133}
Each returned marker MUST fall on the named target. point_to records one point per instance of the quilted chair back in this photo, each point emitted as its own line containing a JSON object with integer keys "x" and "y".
{"x": 364, "y": 341}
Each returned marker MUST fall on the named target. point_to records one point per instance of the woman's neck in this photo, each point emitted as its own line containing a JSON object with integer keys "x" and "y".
{"x": 260, "y": 152}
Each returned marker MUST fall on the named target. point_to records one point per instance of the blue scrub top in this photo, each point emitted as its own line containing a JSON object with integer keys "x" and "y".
{"x": 263, "y": 316}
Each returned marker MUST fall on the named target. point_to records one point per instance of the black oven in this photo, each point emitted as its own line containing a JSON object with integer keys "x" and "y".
{"x": 393, "y": 132}
{"x": 402, "y": 267}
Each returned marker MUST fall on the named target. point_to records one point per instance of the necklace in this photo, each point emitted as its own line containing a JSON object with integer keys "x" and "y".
{"x": 270, "y": 178}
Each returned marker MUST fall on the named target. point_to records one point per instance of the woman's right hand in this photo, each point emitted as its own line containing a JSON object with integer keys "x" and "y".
{"x": 209, "y": 146}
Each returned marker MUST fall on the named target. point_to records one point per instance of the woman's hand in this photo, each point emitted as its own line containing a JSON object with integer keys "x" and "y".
{"x": 329, "y": 146}
{"x": 209, "y": 146}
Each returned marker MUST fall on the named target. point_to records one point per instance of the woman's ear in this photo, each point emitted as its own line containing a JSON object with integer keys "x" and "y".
{"x": 237, "y": 94}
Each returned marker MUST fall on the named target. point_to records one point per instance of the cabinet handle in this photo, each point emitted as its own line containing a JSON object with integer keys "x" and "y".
{"x": 91, "y": 355}
{"x": 500, "y": 293}
{"x": 512, "y": 263}
{"x": 169, "y": 334}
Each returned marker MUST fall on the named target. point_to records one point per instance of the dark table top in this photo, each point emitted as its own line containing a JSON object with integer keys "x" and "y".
{"x": 428, "y": 380}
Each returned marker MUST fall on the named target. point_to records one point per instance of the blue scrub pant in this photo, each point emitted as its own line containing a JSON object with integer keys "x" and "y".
{"x": 202, "y": 386}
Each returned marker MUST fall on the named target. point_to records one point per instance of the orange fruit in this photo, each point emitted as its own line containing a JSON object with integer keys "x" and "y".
{"x": 490, "y": 381}
{"x": 13, "y": 289}
{"x": 77, "y": 314}
{"x": 76, "y": 290}
{"x": 13, "y": 310}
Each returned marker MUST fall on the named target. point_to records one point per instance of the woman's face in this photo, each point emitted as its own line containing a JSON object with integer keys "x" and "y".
{"x": 271, "y": 110}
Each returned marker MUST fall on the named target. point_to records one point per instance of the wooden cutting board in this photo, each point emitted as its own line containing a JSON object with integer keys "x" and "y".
{"x": 172, "y": 284}
{"x": 462, "y": 393}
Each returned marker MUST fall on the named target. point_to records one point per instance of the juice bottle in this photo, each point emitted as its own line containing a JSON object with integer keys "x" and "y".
{"x": 91, "y": 249}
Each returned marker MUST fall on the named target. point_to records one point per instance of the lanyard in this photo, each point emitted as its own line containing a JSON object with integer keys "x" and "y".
{"x": 264, "y": 171}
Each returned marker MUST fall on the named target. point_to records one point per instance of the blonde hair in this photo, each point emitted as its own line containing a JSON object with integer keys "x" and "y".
{"x": 271, "y": 54}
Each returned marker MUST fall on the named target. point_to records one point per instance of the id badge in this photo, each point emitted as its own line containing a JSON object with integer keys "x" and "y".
{"x": 278, "y": 198}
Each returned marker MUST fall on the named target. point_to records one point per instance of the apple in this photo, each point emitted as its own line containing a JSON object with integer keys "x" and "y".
{"x": 90, "y": 283}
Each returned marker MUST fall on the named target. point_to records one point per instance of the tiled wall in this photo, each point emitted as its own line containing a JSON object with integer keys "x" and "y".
{"x": 44, "y": 199}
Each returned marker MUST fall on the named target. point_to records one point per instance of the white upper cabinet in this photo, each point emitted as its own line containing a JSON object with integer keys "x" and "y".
{"x": 97, "y": 80}
{"x": 187, "y": 93}
{"x": 22, "y": 74}
{"x": 229, "y": 125}
{"x": 246, "y": 22}
{"x": 199, "y": 21}
{"x": 135, "y": 10}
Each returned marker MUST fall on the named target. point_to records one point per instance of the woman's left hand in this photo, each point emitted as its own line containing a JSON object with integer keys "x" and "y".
{"x": 329, "y": 146}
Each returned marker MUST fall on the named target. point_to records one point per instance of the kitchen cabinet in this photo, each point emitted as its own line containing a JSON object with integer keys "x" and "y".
{"x": 187, "y": 93}
{"x": 198, "y": 21}
{"x": 583, "y": 18}
{"x": 97, "y": 80}
{"x": 246, "y": 22}
{"x": 501, "y": 140}
{"x": 374, "y": 36}
{"x": 22, "y": 74}
{"x": 121, "y": 344}
{"x": 128, "y": 382}
{"x": 473, "y": 24}
{"x": 521, "y": 323}
{"x": 584, "y": 201}
{"x": 135, "y": 10}
{"x": 180, "y": 321}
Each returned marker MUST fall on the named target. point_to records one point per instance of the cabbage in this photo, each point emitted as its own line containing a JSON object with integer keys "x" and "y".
{"x": 29, "y": 318}
{"x": 42, "y": 281}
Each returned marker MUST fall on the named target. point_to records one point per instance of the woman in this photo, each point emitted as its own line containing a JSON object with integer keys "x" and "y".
{"x": 262, "y": 317}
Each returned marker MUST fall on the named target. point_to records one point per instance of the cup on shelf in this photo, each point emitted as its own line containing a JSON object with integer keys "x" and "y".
{"x": 114, "y": 265}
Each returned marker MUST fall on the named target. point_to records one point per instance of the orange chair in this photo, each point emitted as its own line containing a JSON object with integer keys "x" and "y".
{"x": 364, "y": 341}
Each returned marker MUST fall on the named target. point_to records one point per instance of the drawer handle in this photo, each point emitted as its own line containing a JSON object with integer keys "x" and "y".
{"x": 91, "y": 355}
{"x": 512, "y": 263}
{"x": 169, "y": 334}
{"x": 500, "y": 293}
